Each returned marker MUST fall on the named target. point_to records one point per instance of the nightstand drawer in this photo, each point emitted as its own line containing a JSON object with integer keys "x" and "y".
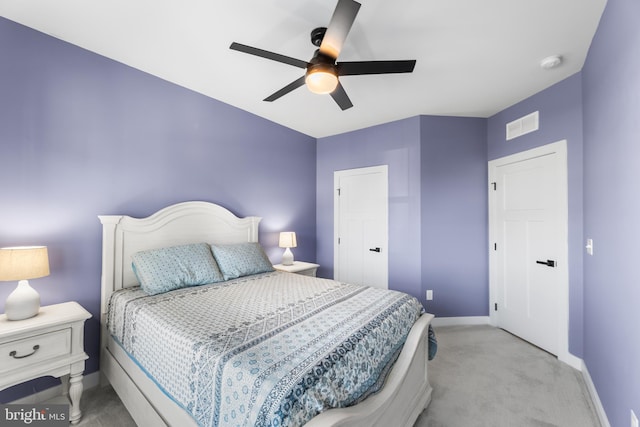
{"x": 24, "y": 352}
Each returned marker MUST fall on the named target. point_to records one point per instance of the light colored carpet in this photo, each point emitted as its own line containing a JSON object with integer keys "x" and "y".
{"x": 101, "y": 407}
{"x": 482, "y": 377}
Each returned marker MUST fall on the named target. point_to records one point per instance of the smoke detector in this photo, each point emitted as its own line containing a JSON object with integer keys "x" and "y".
{"x": 550, "y": 62}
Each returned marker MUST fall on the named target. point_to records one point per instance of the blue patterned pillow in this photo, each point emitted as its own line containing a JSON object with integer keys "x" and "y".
{"x": 241, "y": 259}
{"x": 165, "y": 269}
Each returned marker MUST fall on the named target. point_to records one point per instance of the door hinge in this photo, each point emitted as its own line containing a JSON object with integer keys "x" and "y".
{"x": 495, "y": 307}
{"x": 338, "y": 192}
{"x": 495, "y": 186}
{"x": 338, "y": 240}
{"x": 495, "y": 246}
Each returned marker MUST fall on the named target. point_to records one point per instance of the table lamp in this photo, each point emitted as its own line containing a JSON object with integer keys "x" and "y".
{"x": 287, "y": 240}
{"x": 23, "y": 263}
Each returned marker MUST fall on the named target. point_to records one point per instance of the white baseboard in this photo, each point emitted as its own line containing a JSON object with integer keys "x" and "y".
{"x": 602, "y": 415}
{"x": 88, "y": 381}
{"x": 571, "y": 360}
{"x": 457, "y": 321}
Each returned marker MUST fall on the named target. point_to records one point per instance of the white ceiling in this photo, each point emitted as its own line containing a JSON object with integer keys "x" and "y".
{"x": 474, "y": 58}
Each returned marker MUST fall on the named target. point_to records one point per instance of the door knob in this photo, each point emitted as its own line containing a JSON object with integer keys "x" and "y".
{"x": 549, "y": 263}
{"x": 375, "y": 249}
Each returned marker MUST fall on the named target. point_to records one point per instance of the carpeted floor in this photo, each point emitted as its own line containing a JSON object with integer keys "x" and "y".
{"x": 482, "y": 377}
{"x": 101, "y": 407}
{"x": 486, "y": 377}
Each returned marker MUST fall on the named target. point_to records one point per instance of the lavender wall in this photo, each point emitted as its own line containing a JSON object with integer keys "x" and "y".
{"x": 611, "y": 90}
{"x": 395, "y": 144}
{"x": 437, "y": 211}
{"x": 560, "y": 108}
{"x": 81, "y": 135}
{"x": 454, "y": 215}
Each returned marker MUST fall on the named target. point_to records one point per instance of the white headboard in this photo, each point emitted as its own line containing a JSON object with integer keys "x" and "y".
{"x": 182, "y": 223}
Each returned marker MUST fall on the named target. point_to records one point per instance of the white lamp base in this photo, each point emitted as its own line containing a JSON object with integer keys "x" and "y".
{"x": 287, "y": 257}
{"x": 23, "y": 302}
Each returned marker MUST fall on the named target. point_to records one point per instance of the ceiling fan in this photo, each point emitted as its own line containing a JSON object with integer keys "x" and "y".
{"x": 322, "y": 71}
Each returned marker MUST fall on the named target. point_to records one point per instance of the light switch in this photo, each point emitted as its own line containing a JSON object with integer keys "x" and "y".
{"x": 589, "y": 246}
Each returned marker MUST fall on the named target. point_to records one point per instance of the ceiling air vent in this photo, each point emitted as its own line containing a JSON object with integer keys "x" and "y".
{"x": 523, "y": 125}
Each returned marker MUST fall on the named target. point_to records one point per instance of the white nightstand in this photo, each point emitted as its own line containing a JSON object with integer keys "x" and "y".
{"x": 299, "y": 267}
{"x": 51, "y": 343}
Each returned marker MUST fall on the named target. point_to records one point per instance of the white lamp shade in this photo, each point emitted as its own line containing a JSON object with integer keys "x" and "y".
{"x": 23, "y": 263}
{"x": 288, "y": 239}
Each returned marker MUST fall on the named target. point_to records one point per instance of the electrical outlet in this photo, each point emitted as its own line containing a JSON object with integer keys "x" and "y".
{"x": 429, "y": 295}
{"x": 634, "y": 419}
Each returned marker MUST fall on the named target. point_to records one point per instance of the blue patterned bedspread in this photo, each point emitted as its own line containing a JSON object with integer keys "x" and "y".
{"x": 272, "y": 349}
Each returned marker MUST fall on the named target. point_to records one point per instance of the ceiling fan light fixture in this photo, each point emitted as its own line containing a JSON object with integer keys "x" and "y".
{"x": 322, "y": 71}
{"x": 321, "y": 79}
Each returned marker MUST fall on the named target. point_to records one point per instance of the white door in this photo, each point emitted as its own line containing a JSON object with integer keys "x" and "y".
{"x": 361, "y": 226}
{"x": 528, "y": 222}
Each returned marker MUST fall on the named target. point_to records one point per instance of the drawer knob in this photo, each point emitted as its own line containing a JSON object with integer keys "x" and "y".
{"x": 14, "y": 353}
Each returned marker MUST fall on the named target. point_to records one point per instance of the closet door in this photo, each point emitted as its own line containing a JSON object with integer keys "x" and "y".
{"x": 361, "y": 207}
{"x": 528, "y": 217}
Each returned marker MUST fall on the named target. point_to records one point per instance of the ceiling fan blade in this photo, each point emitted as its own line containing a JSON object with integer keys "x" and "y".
{"x": 339, "y": 26}
{"x": 374, "y": 67}
{"x": 268, "y": 55}
{"x": 340, "y": 96}
{"x": 285, "y": 90}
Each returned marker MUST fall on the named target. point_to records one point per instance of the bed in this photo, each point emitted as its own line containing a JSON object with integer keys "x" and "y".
{"x": 148, "y": 382}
